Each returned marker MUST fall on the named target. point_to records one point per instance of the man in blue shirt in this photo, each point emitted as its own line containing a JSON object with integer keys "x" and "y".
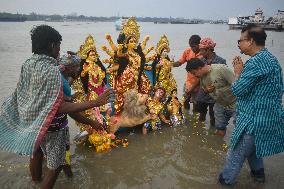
{"x": 70, "y": 69}
{"x": 259, "y": 130}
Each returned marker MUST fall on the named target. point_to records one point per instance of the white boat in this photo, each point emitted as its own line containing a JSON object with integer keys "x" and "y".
{"x": 273, "y": 23}
{"x": 119, "y": 23}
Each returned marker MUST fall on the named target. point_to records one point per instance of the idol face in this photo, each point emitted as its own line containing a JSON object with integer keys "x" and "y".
{"x": 160, "y": 93}
{"x": 164, "y": 53}
{"x": 92, "y": 56}
{"x": 131, "y": 43}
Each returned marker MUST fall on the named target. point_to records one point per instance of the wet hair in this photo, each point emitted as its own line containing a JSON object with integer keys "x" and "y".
{"x": 123, "y": 61}
{"x": 85, "y": 79}
{"x": 43, "y": 37}
{"x": 121, "y": 38}
{"x": 100, "y": 64}
{"x": 194, "y": 64}
{"x": 139, "y": 51}
{"x": 194, "y": 40}
{"x": 154, "y": 66}
{"x": 71, "y": 53}
{"x": 68, "y": 60}
{"x": 256, "y": 33}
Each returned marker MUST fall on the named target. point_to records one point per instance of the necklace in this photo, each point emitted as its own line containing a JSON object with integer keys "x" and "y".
{"x": 96, "y": 75}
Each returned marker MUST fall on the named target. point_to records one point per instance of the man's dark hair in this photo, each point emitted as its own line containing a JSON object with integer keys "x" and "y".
{"x": 194, "y": 40}
{"x": 255, "y": 32}
{"x": 194, "y": 64}
{"x": 42, "y": 37}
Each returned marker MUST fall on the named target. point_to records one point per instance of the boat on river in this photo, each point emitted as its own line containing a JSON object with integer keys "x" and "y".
{"x": 275, "y": 23}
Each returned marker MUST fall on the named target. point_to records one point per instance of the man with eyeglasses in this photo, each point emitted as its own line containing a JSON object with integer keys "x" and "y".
{"x": 259, "y": 88}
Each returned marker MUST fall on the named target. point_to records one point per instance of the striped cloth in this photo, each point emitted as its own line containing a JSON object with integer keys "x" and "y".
{"x": 259, "y": 93}
{"x": 60, "y": 120}
{"x": 26, "y": 115}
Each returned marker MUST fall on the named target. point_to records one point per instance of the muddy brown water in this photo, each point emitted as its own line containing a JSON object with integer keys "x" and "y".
{"x": 190, "y": 156}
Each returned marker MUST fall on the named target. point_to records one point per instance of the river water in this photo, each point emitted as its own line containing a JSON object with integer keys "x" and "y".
{"x": 184, "y": 157}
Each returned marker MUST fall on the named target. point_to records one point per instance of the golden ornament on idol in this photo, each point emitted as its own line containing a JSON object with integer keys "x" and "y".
{"x": 128, "y": 60}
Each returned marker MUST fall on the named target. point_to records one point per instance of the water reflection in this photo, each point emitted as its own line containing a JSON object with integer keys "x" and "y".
{"x": 171, "y": 158}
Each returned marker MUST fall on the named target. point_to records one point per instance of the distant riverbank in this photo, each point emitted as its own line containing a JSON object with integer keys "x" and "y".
{"x": 4, "y": 16}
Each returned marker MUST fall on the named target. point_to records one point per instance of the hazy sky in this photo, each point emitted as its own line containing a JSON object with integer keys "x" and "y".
{"x": 207, "y": 9}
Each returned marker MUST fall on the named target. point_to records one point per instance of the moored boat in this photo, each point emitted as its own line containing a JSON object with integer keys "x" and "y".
{"x": 275, "y": 23}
